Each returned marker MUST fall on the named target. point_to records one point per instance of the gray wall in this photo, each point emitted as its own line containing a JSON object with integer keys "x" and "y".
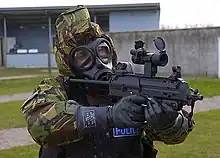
{"x": 121, "y": 21}
{"x": 196, "y": 50}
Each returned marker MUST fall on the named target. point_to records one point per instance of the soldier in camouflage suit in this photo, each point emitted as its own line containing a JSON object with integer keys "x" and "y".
{"x": 55, "y": 117}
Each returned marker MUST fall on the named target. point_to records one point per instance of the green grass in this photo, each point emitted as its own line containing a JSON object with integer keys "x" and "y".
{"x": 10, "y": 115}
{"x": 209, "y": 87}
{"x": 203, "y": 142}
{"x": 28, "y": 151}
{"x": 23, "y": 71}
{"x": 13, "y": 86}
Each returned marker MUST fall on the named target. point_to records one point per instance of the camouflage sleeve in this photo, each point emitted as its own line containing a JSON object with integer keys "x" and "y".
{"x": 49, "y": 116}
{"x": 176, "y": 134}
{"x": 179, "y": 131}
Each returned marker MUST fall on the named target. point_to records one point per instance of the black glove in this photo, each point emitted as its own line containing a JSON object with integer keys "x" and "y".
{"x": 160, "y": 115}
{"x": 128, "y": 112}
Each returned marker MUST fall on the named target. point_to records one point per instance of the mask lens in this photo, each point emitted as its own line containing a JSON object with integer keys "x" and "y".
{"x": 104, "y": 52}
{"x": 83, "y": 59}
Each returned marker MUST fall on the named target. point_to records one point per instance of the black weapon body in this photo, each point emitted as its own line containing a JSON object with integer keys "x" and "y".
{"x": 123, "y": 83}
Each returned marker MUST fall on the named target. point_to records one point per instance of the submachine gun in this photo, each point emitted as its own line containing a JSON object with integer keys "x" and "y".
{"x": 123, "y": 83}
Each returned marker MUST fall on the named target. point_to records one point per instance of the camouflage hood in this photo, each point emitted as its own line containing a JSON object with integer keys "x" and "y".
{"x": 73, "y": 28}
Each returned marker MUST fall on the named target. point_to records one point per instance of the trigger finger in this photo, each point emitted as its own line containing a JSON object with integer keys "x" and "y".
{"x": 148, "y": 112}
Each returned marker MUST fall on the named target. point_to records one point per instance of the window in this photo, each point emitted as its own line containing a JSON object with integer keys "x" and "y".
{"x": 102, "y": 19}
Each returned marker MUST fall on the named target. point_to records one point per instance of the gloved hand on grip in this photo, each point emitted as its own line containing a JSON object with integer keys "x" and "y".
{"x": 127, "y": 112}
{"x": 160, "y": 114}
{"x": 165, "y": 123}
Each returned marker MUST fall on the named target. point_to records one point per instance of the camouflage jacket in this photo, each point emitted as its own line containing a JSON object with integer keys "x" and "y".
{"x": 52, "y": 122}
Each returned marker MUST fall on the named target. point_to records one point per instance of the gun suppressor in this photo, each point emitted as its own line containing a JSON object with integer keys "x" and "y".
{"x": 90, "y": 81}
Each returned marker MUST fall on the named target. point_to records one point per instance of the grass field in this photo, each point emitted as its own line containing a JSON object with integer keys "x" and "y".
{"x": 23, "y": 71}
{"x": 10, "y": 115}
{"x": 203, "y": 142}
{"x": 28, "y": 151}
{"x": 209, "y": 87}
{"x": 14, "y": 86}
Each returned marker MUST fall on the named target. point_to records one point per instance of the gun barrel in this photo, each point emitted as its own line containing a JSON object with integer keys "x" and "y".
{"x": 90, "y": 81}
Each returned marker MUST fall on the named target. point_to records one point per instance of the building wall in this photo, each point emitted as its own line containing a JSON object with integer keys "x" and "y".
{"x": 197, "y": 51}
{"x": 121, "y": 21}
{"x": 39, "y": 60}
{"x": 35, "y": 37}
{"x": 30, "y": 37}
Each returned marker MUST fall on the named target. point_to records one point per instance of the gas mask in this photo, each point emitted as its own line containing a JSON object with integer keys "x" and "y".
{"x": 92, "y": 61}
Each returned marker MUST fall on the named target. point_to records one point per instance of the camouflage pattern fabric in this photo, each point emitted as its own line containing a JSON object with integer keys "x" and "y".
{"x": 74, "y": 28}
{"x": 62, "y": 63}
{"x": 176, "y": 134}
{"x": 46, "y": 110}
{"x": 50, "y": 117}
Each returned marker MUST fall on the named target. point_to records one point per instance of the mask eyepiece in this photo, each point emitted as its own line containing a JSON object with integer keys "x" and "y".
{"x": 92, "y": 59}
{"x": 81, "y": 59}
{"x": 104, "y": 52}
